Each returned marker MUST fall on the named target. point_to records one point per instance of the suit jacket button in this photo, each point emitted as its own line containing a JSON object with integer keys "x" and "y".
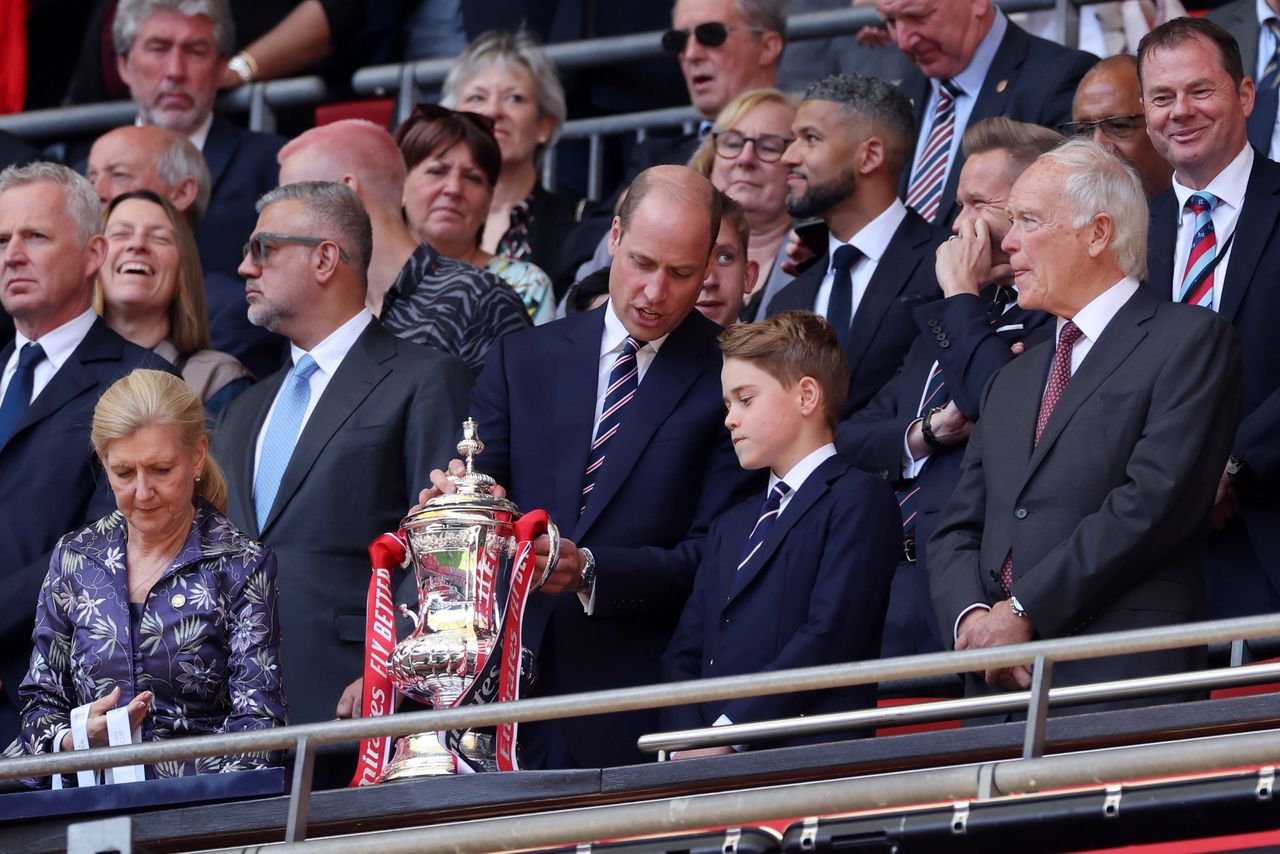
{"x": 944, "y": 344}
{"x": 933, "y": 324}
{"x": 994, "y": 574}
{"x": 1020, "y": 513}
{"x": 727, "y": 621}
{"x": 940, "y": 335}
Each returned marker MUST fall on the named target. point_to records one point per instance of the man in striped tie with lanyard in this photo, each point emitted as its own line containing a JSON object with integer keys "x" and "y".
{"x": 1215, "y": 242}
{"x": 612, "y": 421}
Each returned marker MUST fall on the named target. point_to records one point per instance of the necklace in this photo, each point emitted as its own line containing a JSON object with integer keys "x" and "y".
{"x": 145, "y": 582}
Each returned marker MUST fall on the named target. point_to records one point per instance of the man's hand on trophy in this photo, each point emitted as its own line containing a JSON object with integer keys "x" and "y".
{"x": 567, "y": 575}
{"x": 349, "y": 702}
{"x": 441, "y": 485}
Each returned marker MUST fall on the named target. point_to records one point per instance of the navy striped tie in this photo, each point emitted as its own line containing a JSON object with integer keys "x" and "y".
{"x": 624, "y": 379}
{"x": 769, "y": 510}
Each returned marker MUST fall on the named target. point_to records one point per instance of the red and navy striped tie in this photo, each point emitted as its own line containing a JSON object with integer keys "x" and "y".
{"x": 769, "y": 510}
{"x": 1197, "y": 279}
{"x": 623, "y": 381}
{"x": 930, "y": 176}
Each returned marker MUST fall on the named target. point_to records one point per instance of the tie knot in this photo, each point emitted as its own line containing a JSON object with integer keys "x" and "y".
{"x": 844, "y": 258}
{"x": 305, "y": 368}
{"x": 1069, "y": 335}
{"x": 951, "y": 88}
{"x": 30, "y": 355}
{"x": 1004, "y": 296}
{"x": 779, "y": 491}
{"x": 632, "y": 345}
{"x": 1201, "y": 202}
{"x": 1273, "y": 24}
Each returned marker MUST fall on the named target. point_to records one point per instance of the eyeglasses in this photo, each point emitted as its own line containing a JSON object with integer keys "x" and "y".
{"x": 1117, "y": 127}
{"x": 709, "y": 34}
{"x": 260, "y": 245}
{"x": 769, "y": 146}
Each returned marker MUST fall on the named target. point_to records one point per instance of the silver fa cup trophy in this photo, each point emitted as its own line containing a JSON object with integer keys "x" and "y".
{"x": 472, "y": 554}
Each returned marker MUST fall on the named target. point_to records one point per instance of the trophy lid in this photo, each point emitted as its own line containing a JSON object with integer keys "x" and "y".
{"x": 474, "y": 489}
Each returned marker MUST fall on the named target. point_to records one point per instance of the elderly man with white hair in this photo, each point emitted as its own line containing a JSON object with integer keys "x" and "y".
{"x": 1084, "y": 498}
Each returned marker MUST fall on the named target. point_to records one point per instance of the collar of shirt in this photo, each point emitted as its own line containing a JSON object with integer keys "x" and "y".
{"x": 614, "y": 336}
{"x": 800, "y": 472}
{"x": 60, "y": 343}
{"x": 873, "y": 238}
{"x": 1228, "y": 185}
{"x": 975, "y": 73}
{"x": 197, "y": 137}
{"x": 330, "y": 352}
{"x": 1094, "y": 317}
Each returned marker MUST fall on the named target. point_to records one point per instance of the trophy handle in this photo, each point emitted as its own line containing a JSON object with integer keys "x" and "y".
{"x": 553, "y": 551}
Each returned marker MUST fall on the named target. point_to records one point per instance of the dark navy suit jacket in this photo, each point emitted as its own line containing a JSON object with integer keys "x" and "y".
{"x": 814, "y": 593}
{"x": 1250, "y": 303}
{"x": 1030, "y": 80}
{"x": 883, "y": 328}
{"x": 669, "y": 471}
{"x": 1262, "y": 120}
{"x": 52, "y": 485}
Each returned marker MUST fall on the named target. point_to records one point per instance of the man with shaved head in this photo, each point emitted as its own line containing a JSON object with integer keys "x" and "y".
{"x": 1108, "y": 109}
{"x": 631, "y": 461}
{"x": 418, "y": 294}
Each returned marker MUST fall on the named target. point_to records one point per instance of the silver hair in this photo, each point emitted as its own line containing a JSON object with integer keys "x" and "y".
{"x": 82, "y": 202}
{"x": 179, "y": 159}
{"x": 331, "y": 207}
{"x": 131, "y": 13}
{"x": 1099, "y": 182}
{"x": 499, "y": 47}
{"x": 770, "y": 15}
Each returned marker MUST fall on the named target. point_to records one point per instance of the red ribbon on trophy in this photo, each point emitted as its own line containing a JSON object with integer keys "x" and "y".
{"x": 387, "y": 553}
{"x": 524, "y": 579}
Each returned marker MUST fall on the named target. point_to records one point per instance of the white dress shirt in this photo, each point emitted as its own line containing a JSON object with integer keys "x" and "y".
{"x": 1229, "y": 186}
{"x": 871, "y": 240}
{"x": 328, "y": 356}
{"x": 58, "y": 345}
{"x": 970, "y": 82}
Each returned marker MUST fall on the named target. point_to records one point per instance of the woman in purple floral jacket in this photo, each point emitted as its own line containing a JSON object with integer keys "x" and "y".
{"x": 163, "y": 605}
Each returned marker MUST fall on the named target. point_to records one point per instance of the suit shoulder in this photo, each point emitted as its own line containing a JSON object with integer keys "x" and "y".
{"x": 1182, "y": 319}
{"x": 412, "y": 356}
{"x": 1230, "y": 13}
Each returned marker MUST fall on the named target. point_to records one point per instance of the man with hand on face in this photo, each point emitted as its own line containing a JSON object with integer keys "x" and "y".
{"x": 913, "y": 432}
{"x": 852, "y": 139}
{"x": 612, "y": 422}
{"x": 1084, "y": 495}
{"x": 1215, "y": 242}
{"x": 1108, "y": 109}
{"x": 972, "y": 63}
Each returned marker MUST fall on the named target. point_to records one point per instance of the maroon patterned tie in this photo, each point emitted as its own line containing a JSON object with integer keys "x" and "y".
{"x": 1059, "y": 376}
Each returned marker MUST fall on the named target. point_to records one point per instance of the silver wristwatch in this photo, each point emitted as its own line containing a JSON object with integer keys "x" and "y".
{"x": 588, "y": 582}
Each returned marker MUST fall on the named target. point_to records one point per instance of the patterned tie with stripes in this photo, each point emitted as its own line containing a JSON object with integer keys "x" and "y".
{"x": 624, "y": 379}
{"x": 1197, "y": 279}
{"x": 1271, "y": 74}
{"x": 769, "y": 510}
{"x": 908, "y": 493}
{"x": 930, "y": 176}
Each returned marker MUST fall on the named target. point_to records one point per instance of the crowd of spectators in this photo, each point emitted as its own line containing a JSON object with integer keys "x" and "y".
{"x": 1052, "y": 353}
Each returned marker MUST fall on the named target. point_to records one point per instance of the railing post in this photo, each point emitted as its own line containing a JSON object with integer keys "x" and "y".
{"x": 300, "y": 791}
{"x": 1067, "y": 22}
{"x": 1038, "y": 710}
{"x": 594, "y": 167}
{"x": 408, "y": 96}
{"x": 261, "y": 117}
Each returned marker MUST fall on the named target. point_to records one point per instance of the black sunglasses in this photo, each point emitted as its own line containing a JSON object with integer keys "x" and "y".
{"x": 709, "y": 34}
{"x": 260, "y": 245}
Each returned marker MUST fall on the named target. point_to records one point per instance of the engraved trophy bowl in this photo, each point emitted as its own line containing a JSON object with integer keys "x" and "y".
{"x": 461, "y": 548}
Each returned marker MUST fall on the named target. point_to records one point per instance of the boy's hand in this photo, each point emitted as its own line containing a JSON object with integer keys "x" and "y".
{"x": 698, "y": 753}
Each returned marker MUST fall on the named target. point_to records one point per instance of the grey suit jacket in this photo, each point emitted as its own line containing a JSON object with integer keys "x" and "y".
{"x": 1108, "y": 515}
{"x": 1240, "y": 18}
{"x": 387, "y": 417}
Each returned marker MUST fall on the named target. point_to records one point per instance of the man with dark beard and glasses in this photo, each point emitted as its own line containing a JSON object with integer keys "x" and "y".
{"x": 853, "y": 137}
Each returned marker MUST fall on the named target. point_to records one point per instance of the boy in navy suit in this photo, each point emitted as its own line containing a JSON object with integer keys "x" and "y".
{"x": 799, "y": 576}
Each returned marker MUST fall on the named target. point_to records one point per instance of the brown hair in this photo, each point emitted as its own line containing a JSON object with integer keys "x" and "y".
{"x": 1022, "y": 141}
{"x": 737, "y": 216}
{"x": 188, "y": 311}
{"x": 1179, "y": 31}
{"x": 431, "y": 128}
{"x": 790, "y": 346}
{"x": 145, "y": 398}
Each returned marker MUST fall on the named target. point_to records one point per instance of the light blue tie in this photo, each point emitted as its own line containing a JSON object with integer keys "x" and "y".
{"x": 282, "y": 435}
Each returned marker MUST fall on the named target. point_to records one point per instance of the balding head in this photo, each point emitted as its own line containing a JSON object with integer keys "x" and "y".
{"x": 354, "y": 152}
{"x": 151, "y": 158}
{"x": 1108, "y": 109}
{"x": 677, "y": 185}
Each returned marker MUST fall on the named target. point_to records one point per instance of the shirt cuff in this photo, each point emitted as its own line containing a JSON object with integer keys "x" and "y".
{"x": 911, "y": 467}
{"x": 57, "y": 738}
{"x": 955, "y": 630}
{"x": 588, "y": 600}
{"x": 724, "y": 721}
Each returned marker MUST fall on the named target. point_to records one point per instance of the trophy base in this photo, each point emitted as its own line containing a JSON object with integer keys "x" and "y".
{"x": 422, "y": 755}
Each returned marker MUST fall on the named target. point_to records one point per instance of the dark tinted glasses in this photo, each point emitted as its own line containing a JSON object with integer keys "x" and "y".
{"x": 709, "y": 34}
{"x": 768, "y": 146}
{"x": 260, "y": 245}
{"x": 1117, "y": 127}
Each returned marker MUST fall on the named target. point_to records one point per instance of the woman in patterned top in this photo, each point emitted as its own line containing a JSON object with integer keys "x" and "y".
{"x": 162, "y": 606}
{"x": 507, "y": 77}
{"x": 454, "y": 162}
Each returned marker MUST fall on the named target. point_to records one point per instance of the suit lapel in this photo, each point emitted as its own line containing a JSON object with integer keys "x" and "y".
{"x": 1118, "y": 340}
{"x": 673, "y": 370}
{"x": 73, "y": 378}
{"x": 361, "y": 370}
{"x": 576, "y": 379}
{"x": 219, "y": 148}
{"x": 1163, "y": 241}
{"x": 241, "y": 486}
{"x": 815, "y": 486}
{"x": 899, "y": 261}
{"x": 1254, "y": 228}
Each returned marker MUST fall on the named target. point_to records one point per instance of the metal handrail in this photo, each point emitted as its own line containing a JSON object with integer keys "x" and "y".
{"x": 957, "y": 784}
{"x": 1014, "y": 701}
